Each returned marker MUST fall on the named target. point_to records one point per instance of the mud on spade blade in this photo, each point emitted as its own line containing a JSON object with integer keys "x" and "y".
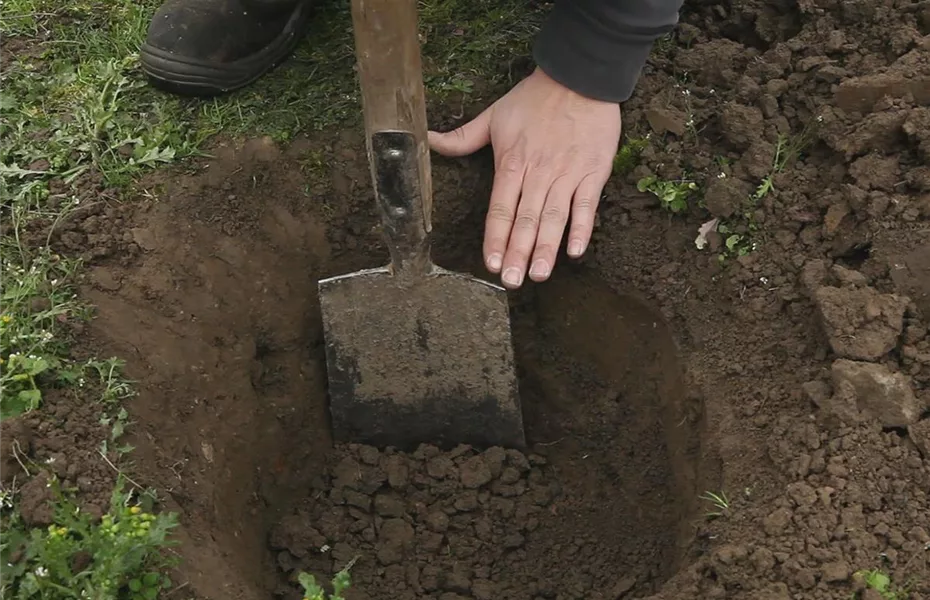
{"x": 415, "y": 353}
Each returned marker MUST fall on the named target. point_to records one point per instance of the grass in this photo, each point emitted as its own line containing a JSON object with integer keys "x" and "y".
{"x": 720, "y": 504}
{"x": 77, "y": 116}
{"x": 77, "y": 101}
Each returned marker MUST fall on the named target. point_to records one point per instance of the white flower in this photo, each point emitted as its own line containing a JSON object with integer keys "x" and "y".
{"x": 41, "y": 572}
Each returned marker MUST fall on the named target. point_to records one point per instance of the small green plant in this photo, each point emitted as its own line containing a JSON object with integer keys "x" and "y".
{"x": 672, "y": 195}
{"x": 37, "y": 298}
{"x": 737, "y": 243}
{"x": 881, "y": 583}
{"x": 119, "y": 556}
{"x": 788, "y": 149}
{"x": 665, "y": 45}
{"x": 720, "y": 503}
{"x": 738, "y": 231}
{"x": 628, "y": 157}
{"x": 314, "y": 591}
{"x": 114, "y": 388}
{"x": 782, "y": 154}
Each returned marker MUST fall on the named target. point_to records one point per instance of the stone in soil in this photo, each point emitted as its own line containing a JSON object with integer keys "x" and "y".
{"x": 882, "y": 395}
{"x": 860, "y": 323}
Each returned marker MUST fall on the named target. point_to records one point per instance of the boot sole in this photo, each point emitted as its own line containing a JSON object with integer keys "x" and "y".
{"x": 186, "y": 76}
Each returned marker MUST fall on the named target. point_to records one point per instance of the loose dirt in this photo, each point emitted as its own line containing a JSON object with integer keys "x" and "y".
{"x": 794, "y": 379}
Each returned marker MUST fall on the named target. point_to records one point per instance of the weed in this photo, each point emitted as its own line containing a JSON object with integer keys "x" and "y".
{"x": 673, "y": 195}
{"x": 37, "y": 300}
{"x": 788, "y": 149}
{"x": 720, "y": 502}
{"x": 7, "y": 499}
{"x": 779, "y": 161}
{"x": 665, "y": 45}
{"x": 689, "y": 111}
{"x": 119, "y": 556}
{"x": 628, "y": 157}
{"x": 114, "y": 388}
{"x": 313, "y": 590}
{"x": 739, "y": 232}
{"x": 737, "y": 240}
{"x": 881, "y": 583}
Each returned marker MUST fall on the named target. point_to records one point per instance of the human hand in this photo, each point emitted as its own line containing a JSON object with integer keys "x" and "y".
{"x": 553, "y": 153}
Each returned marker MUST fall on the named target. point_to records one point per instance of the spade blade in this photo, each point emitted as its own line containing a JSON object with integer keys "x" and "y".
{"x": 427, "y": 360}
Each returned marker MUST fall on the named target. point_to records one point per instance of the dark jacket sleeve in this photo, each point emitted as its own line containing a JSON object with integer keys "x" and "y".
{"x": 598, "y": 47}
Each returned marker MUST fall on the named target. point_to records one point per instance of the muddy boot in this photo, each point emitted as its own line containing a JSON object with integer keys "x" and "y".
{"x": 206, "y": 47}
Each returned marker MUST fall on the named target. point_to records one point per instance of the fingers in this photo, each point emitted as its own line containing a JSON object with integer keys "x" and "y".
{"x": 552, "y": 223}
{"x": 528, "y": 214}
{"x": 467, "y": 139}
{"x": 584, "y": 207}
{"x": 536, "y": 185}
{"x": 505, "y": 194}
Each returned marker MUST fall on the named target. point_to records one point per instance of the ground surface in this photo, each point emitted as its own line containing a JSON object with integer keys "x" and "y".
{"x": 781, "y": 362}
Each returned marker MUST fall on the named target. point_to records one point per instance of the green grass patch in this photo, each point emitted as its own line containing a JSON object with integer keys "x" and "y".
{"x": 628, "y": 157}
{"x": 74, "y": 99}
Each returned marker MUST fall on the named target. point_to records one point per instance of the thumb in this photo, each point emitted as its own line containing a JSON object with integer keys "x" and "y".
{"x": 468, "y": 138}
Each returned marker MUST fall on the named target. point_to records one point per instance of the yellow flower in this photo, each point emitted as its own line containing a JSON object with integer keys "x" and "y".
{"x": 6, "y": 318}
{"x": 135, "y": 510}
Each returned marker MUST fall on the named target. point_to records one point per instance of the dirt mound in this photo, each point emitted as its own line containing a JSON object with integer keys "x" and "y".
{"x": 433, "y": 521}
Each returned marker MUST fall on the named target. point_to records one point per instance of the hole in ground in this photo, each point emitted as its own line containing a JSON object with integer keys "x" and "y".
{"x": 220, "y": 324}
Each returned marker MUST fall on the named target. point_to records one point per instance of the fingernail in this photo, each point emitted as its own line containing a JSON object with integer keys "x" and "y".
{"x": 575, "y": 248}
{"x": 495, "y": 261}
{"x": 512, "y": 276}
{"x": 540, "y": 268}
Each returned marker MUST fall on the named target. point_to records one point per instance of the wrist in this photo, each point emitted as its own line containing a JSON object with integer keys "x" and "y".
{"x": 540, "y": 74}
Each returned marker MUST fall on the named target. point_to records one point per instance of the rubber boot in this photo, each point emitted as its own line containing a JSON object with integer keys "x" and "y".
{"x": 208, "y": 47}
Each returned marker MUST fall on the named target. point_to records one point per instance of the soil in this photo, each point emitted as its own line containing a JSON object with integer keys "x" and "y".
{"x": 795, "y": 379}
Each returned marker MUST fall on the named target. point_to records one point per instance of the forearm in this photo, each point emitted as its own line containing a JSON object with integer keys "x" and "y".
{"x": 598, "y": 47}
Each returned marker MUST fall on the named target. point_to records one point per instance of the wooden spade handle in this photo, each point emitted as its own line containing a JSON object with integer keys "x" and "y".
{"x": 387, "y": 49}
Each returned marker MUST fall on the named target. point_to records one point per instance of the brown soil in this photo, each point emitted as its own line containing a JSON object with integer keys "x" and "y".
{"x": 796, "y": 379}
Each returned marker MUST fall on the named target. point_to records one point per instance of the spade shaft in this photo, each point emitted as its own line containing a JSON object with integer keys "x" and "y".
{"x": 415, "y": 353}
